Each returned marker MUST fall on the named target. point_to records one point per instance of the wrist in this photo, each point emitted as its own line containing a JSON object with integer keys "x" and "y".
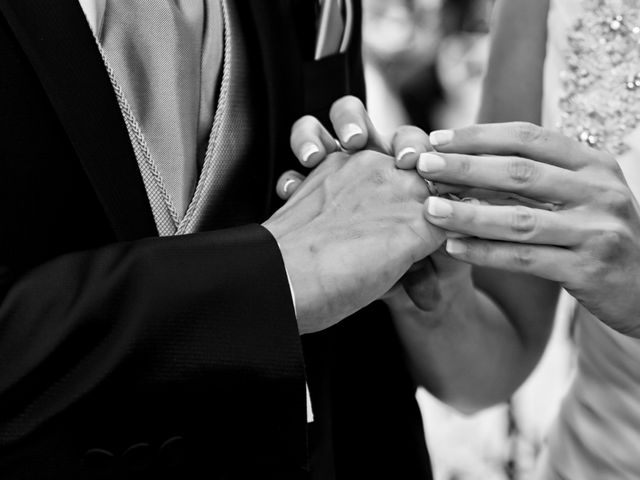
{"x": 304, "y": 283}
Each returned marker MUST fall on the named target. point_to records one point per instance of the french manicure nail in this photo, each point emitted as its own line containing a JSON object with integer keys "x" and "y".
{"x": 404, "y": 152}
{"x": 287, "y": 185}
{"x": 440, "y": 137}
{"x": 437, "y": 207}
{"x": 349, "y": 131}
{"x": 307, "y": 150}
{"x": 456, "y": 247}
{"x": 431, "y": 163}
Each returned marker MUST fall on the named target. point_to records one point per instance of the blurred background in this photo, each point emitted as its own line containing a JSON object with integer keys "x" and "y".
{"x": 425, "y": 61}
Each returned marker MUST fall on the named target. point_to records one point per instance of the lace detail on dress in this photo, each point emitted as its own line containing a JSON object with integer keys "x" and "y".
{"x": 601, "y": 104}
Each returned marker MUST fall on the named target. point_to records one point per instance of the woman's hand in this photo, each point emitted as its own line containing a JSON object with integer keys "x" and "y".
{"x": 584, "y": 234}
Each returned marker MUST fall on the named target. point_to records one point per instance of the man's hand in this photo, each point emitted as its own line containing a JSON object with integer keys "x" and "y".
{"x": 585, "y": 233}
{"x": 352, "y": 229}
{"x": 311, "y": 143}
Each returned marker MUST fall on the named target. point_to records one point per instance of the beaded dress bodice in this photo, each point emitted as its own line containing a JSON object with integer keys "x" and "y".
{"x": 601, "y": 101}
{"x": 592, "y": 77}
{"x": 592, "y": 92}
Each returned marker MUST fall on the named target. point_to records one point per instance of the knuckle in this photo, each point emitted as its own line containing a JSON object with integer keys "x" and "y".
{"x": 413, "y": 185}
{"x": 608, "y": 242}
{"x": 479, "y": 251}
{"x": 464, "y": 165}
{"x": 522, "y": 171}
{"x": 409, "y": 132}
{"x": 473, "y": 131}
{"x": 599, "y": 189}
{"x": 586, "y": 270}
{"x": 526, "y": 132}
{"x": 617, "y": 198}
{"x": 346, "y": 103}
{"x": 524, "y": 257}
{"x": 402, "y": 137}
{"x": 304, "y": 123}
{"x": 523, "y": 221}
{"x": 608, "y": 160}
{"x": 470, "y": 217}
{"x": 404, "y": 131}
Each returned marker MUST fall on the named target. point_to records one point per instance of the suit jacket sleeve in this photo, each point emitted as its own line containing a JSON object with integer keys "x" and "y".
{"x": 154, "y": 338}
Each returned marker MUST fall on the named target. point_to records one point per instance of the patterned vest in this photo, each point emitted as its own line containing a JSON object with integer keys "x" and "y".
{"x": 228, "y": 146}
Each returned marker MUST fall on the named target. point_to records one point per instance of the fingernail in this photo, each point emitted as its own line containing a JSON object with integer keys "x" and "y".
{"x": 431, "y": 163}
{"x": 307, "y": 150}
{"x": 349, "y": 131}
{"x": 437, "y": 207}
{"x": 456, "y": 247}
{"x": 404, "y": 152}
{"x": 287, "y": 185}
{"x": 440, "y": 137}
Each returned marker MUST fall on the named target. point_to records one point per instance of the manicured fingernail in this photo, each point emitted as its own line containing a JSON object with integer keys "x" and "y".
{"x": 431, "y": 163}
{"x": 456, "y": 247}
{"x": 349, "y": 131}
{"x": 440, "y": 137}
{"x": 437, "y": 207}
{"x": 288, "y": 184}
{"x": 404, "y": 152}
{"x": 307, "y": 150}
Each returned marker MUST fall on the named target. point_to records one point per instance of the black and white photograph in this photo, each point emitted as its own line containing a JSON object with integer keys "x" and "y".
{"x": 320, "y": 239}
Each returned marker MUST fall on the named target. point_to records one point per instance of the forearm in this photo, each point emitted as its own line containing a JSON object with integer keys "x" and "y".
{"x": 513, "y": 85}
{"x": 141, "y": 316}
{"x": 476, "y": 350}
{"x": 467, "y": 352}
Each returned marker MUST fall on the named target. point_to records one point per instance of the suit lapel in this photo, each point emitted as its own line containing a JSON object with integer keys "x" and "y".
{"x": 273, "y": 52}
{"x": 58, "y": 41}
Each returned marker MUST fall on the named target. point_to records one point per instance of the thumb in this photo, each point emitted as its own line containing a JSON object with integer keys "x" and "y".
{"x": 422, "y": 286}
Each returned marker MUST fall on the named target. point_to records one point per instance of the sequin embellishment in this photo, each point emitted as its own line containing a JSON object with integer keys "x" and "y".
{"x": 601, "y": 103}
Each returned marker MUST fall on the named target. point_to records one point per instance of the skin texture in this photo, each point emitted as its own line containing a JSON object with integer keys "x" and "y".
{"x": 588, "y": 241}
{"x": 551, "y": 212}
{"x": 512, "y": 91}
{"x": 596, "y": 213}
{"x": 461, "y": 345}
{"x": 513, "y": 85}
{"x": 350, "y": 210}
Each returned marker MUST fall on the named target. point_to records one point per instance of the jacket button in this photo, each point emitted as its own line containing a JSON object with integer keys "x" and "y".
{"x": 173, "y": 452}
{"x": 138, "y": 457}
{"x": 98, "y": 459}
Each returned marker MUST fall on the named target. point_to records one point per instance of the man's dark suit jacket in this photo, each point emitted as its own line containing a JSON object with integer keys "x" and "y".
{"x": 123, "y": 355}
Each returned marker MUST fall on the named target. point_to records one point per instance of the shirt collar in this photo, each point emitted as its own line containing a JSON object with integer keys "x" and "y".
{"x": 94, "y": 11}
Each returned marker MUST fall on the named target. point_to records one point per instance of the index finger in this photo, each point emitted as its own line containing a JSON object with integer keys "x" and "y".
{"x": 354, "y": 127}
{"x": 516, "y": 138}
{"x": 310, "y": 141}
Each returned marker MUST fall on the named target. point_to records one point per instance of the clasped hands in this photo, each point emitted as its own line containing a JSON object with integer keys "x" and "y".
{"x": 532, "y": 201}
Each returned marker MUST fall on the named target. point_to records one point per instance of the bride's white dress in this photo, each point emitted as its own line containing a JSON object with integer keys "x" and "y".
{"x": 592, "y": 91}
